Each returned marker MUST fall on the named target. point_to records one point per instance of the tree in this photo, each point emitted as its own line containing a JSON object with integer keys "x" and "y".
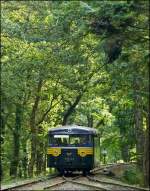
{"x": 74, "y": 62}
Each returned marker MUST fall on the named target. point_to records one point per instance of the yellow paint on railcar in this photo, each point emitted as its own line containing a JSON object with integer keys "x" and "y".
{"x": 84, "y": 151}
{"x": 54, "y": 151}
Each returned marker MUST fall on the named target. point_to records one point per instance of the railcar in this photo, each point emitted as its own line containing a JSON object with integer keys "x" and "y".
{"x": 72, "y": 148}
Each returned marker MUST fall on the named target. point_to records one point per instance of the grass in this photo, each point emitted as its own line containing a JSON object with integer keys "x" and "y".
{"x": 7, "y": 180}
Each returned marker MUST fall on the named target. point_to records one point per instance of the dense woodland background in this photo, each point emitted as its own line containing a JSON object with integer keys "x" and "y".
{"x": 74, "y": 62}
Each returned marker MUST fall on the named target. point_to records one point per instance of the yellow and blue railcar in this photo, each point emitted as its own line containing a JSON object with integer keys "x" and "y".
{"x": 72, "y": 148}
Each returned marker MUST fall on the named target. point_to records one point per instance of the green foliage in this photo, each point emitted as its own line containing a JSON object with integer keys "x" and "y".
{"x": 62, "y": 57}
{"x": 133, "y": 176}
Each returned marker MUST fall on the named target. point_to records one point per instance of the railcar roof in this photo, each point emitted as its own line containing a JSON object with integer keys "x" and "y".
{"x": 72, "y": 129}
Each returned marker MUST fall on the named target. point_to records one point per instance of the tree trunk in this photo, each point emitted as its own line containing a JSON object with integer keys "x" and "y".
{"x": 39, "y": 158}
{"x": 24, "y": 160}
{"x": 34, "y": 130}
{"x": 138, "y": 116}
{"x": 20, "y": 170}
{"x": 71, "y": 109}
{"x": 44, "y": 162}
{"x": 125, "y": 152}
{"x": 2, "y": 142}
{"x": 16, "y": 141}
{"x": 44, "y": 155}
{"x": 2, "y": 133}
{"x": 139, "y": 137}
{"x": 139, "y": 133}
{"x": 146, "y": 156}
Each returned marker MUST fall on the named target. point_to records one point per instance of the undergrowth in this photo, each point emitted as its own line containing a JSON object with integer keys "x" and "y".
{"x": 133, "y": 176}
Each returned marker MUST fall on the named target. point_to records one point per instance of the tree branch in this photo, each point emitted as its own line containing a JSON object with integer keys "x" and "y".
{"x": 47, "y": 111}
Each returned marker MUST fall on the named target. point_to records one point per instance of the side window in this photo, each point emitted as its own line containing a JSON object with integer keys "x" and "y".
{"x": 86, "y": 140}
{"x": 49, "y": 139}
{"x": 74, "y": 140}
{"x": 52, "y": 141}
{"x": 65, "y": 141}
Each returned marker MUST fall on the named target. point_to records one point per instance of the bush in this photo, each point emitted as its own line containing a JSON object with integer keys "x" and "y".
{"x": 133, "y": 176}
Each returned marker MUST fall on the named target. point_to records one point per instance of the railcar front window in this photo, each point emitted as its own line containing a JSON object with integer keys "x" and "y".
{"x": 59, "y": 140}
{"x": 70, "y": 140}
{"x": 80, "y": 140}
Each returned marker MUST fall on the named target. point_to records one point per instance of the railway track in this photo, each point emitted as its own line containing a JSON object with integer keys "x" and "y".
{"x": 76, "y": 182}
{"x": 72, "y": 184}
{"x": 90, "y": 183}
{"x": 29, "y": 184}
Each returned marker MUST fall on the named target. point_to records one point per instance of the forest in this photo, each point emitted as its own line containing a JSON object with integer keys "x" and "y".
{"x": 74, "y": 62}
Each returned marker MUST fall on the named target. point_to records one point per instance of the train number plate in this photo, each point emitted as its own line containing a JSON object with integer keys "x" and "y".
{"x": 68, "y": 159}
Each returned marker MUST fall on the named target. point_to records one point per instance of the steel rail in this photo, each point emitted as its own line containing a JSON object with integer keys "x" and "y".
{"x": 85, "y": 184}
{"x": 28, "y": 183}
{"x": 117, "y": 184}
{"x": 72, "y": 180}
{"x": 55, "y": 184}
